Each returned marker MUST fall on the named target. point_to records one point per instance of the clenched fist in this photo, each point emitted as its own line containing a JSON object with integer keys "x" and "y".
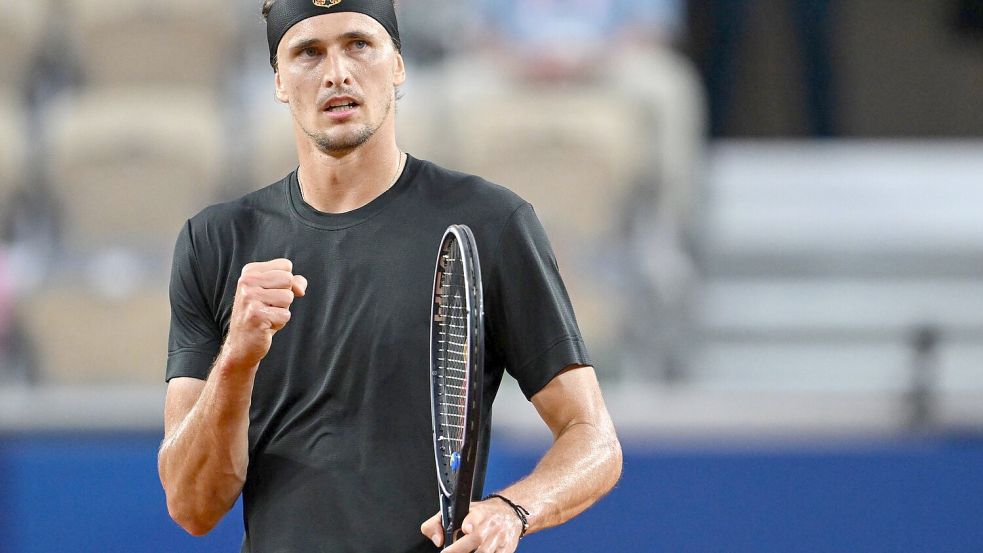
{"x": 262, "y": 307}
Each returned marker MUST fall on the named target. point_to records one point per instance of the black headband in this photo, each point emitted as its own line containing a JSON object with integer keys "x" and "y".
{"x": 284, "y": 14}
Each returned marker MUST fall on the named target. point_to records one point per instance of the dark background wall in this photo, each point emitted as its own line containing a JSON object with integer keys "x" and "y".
{"x": 896, "y": 69}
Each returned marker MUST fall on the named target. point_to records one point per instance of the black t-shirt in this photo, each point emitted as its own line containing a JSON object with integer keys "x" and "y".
{"x": 340, "y": 448}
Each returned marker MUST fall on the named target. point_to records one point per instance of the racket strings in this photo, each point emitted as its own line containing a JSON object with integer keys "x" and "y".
{"x": 452, "y": 357}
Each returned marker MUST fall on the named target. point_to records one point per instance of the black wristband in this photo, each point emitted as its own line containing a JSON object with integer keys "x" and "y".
{"x": 520, "y": 511}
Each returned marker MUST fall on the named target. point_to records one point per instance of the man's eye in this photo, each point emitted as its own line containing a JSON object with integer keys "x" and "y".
{"x": 360, "y": 44}
{"x": 309, "y": 51}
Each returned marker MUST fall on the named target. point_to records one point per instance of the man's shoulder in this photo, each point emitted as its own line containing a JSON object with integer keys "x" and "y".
{"x": 458, "y": 185}
{"x": 242, "y": 210}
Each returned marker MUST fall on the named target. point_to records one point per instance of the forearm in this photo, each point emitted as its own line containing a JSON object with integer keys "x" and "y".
{"x": 581, "y": 466}
{"x": 204, "y": 458}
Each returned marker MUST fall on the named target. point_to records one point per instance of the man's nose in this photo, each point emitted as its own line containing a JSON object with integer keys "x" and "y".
{"x": 337, "y": 71}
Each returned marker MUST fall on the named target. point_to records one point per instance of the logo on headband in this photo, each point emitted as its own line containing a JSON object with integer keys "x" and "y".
{"x": 326, "y": 3}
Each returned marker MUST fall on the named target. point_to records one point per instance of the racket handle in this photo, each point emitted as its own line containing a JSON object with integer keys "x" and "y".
{"x": 451, "y": 535}
{"x": 452, "y": 525}
{"x": 462, "y": 505}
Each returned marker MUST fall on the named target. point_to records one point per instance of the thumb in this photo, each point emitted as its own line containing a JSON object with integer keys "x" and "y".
{"x": 433, "y": 530}
{"x": 299, "y": 285}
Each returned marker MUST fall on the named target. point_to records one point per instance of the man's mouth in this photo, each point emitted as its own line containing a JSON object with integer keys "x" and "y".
{"x": 341, "y": 107}
{"x": 340, "y": 104}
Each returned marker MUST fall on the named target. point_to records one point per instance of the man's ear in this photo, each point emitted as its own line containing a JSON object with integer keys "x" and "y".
{"x": 399, "y": 72}
{"x": 280, "y": 94}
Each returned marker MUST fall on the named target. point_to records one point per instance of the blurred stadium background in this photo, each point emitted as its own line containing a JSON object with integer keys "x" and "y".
{"x": 769, "y": 214}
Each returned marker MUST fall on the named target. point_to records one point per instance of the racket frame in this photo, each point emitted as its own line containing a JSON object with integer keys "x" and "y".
{"x": 455, "y": 504}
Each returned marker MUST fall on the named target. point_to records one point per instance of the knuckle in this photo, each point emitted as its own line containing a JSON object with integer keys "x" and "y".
{"x": 287, "y": 279}
{"x": 274, "y": 279}
{"x": 280, "y": 324}
{"x": 253, "y": 315}
{"x": 279, "y": 318}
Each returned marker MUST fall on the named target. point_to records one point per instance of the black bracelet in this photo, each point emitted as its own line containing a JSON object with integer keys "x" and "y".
{"x": 520, "y": 511}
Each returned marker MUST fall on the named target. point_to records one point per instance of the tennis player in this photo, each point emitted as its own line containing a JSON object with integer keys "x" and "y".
{"x": 298, "y": 354}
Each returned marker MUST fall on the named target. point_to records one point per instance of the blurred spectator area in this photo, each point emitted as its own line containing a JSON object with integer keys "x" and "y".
{"x": 138, "y": 114}
{"x": 695, "y": 267}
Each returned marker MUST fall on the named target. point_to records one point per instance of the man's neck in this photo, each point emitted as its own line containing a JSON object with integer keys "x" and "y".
{"x": 338, "y": 183}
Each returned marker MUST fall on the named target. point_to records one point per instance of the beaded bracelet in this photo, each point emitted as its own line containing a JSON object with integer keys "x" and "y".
{"x": 520, "y": 511}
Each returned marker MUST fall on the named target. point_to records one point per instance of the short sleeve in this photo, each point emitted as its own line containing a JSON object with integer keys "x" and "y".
{"x": 194, "y": 338}
{"x": 531, "y": 320}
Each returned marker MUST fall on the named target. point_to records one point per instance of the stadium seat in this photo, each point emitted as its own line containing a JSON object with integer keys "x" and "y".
{"x": 578, "y": 162}
{"x": 129, "y": 167}
{"x": 147, "y": 42}
{"x": 574, "y": 158}
{"x": 81, "y": 336}
{"x": 669, "y": 88}
{"x": 418, "y": 117}
{"x": 21, "y": 31}
{"x": 273, "y": 151}
{"x": 13, "y": 152}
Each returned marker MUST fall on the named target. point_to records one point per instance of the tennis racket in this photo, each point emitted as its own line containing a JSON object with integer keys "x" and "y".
{"x": 456, "y": 366}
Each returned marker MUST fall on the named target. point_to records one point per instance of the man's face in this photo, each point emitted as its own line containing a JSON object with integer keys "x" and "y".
{"x": 339, "y": 74}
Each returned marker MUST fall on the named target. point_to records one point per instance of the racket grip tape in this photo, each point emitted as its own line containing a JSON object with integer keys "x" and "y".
{"x": 452, "y": 535}
{"x": 457, "y": 510}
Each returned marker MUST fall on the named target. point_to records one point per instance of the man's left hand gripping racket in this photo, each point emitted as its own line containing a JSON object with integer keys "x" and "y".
{"x": 456, "y": 366}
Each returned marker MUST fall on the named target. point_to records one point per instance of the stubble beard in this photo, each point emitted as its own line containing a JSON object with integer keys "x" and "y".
{"x": 346, "y": 143}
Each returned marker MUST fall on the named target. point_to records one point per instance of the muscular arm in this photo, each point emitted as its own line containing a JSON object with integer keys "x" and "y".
{"x": 205, "y": 453}
{"x": 204, "y": 456}
{"x": 583, "y": 464}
